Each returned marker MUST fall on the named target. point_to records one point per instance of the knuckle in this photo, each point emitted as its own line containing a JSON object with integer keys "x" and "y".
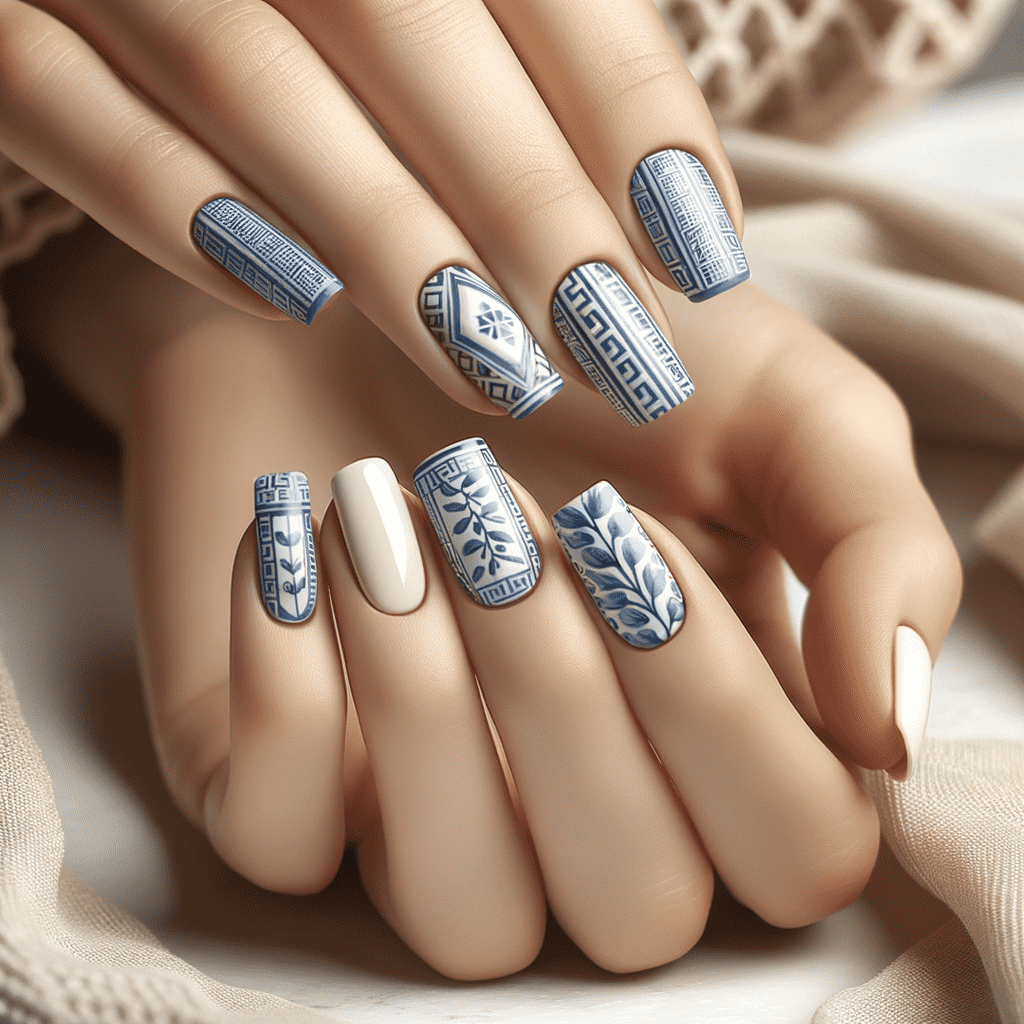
{"x": 535, "y": 193}
{"x": 36, "y": 54}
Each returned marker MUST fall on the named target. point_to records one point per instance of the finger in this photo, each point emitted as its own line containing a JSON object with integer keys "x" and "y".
{"x": 787, "y": 827}
{"x": 274, "y": 808}
{"x": 73, "y": 123}
{"x": 177, "y": 193}
{"x": 623, "y": 871}
{"x": 629, "y": 107}
{"x": 836, "y": 490}
{"x": 447, "y": 857}
{"x": 444, "y": 82}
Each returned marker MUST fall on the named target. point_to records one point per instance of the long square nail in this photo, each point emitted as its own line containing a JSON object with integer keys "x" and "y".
{"x": 265, "y": 259}
{"x": 618, "y": 344}
{"x": 284, "y": 532}
{"x": 684, "y": 216}
{"x": 487, "y": 341}
{"x": 621, "y": 568}
{"x": 379, "y": 535}
{"x": 478, "y": 522}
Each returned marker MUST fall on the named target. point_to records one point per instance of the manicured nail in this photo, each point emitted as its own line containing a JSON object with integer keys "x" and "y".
{"x": 487, "y": 341}
{"x": 259, "y": 255}
{"x": 379, "y": 535}
{"x": 683, "y": 213}
{"x": 619, "y": 345}
{"x": 479, "y": 522}
{"x": 912, "y": 694}
{"x": 620, "y": 567}
{"x": 285, "y": 535}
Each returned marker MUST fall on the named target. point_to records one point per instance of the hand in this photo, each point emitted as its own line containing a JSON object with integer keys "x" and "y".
{"x": 526, "y": 119}
{"x": 790, "y": 448}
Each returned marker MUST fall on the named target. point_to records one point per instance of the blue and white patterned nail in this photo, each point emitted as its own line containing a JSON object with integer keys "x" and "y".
{"x": 620, "y": 567}
{"x": 479, "y": 522}
{"x": 284, "y": 532}
{"x": 487, "y": 341}
{"x": 259, "y": 255}
{"x": 618, "y": 344}
{"x": 684, "y": 216}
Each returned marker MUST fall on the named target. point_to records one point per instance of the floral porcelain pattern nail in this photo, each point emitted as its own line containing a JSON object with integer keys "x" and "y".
{"x": 284, "y": 531}
{"x": 620, "y": 567}
{"x": 487, "y": 341}
{"x": 479, "y": 523}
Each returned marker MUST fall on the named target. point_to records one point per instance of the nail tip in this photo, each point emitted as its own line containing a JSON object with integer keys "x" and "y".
{"x": 912, "y": 686}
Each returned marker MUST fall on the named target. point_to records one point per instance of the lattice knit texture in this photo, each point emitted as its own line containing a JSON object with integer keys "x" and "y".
{"x": 813, "y": 69}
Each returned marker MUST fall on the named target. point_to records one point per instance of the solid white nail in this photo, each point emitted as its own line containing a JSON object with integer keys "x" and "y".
{"x": 912, "y": 694}
{"x": 379, "y": 535}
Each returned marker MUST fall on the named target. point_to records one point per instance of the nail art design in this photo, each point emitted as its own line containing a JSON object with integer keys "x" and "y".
{"x": 379, "y": 536}
{"x": 626, "y": 576}
{"x": 259, "y": 255}
{"x": 487, "y": 341}
{"x": 619, "y": 345}
{"x": 912, "y": 693}
{"x": 684, "y": 216}
{"x": 479, "y": 522}
{"x": 285, "y": 535}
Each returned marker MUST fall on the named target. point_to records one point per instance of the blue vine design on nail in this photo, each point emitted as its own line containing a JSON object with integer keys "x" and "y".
{"x": 292, "y": 566}
{"x": 620, "y": 567}
{"x": 489, "y": 544}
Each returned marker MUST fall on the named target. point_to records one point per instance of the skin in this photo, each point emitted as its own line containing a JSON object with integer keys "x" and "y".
{"x": 790, "y": 448}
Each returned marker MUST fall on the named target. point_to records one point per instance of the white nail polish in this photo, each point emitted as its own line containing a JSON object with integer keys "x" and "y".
{"x": 912, "y": 692}
{"x": 379, "y": 535}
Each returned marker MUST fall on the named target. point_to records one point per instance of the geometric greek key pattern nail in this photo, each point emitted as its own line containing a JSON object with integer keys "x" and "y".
{"x": 478, "y": 522}
{"x": 684, "y": 216}
{"x": 259, "y": 255}
{"x": 618, "y": 344}
{"x": 284, "y": 532}
{"x": 623, "y": 571}
{"x": 487, "y": 341}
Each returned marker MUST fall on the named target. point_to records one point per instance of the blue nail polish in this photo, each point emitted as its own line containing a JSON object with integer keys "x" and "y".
{"x": 620, "y": 567}
{"x": 684, "y": 216}
{"x": 479, "y": 522}
{"x": 487, "y": 341}
{"x": 284, "y": 533}
{"x": 259, "y": 255}
{"x": 618, "y": 344}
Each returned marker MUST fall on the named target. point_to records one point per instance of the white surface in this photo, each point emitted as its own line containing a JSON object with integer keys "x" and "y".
{"x": 67, "y": 636}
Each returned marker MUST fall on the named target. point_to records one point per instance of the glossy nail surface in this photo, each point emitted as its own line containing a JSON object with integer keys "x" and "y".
{"x": 487, "y": 341}
{"x": 685, "y": 219}
{"x": 379, "y": 535}
{"x": 621, "y": 568}
{"x": 264, "y": 258}
{"x": 284, "y": 532}
{"x": 912, "y": 694}
{"x": 618, "y": 344}
{"x": 479, "y": 523}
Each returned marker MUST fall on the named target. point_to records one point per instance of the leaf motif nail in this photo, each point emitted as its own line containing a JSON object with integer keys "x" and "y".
{"x": 287, "y": 557}
{"x": 620, "y": 567}
{"x": 482, "y": 529}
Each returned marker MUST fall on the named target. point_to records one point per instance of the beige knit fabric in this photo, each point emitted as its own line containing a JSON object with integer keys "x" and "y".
{"x": 67, "y": 956}
{"x": 812, "y": 69}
